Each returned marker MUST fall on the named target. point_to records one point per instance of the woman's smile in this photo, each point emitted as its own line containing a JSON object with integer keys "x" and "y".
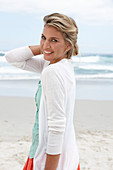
{"x": 47, "y": 52}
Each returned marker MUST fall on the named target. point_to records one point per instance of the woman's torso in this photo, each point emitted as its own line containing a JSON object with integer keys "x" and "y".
{"x": 69, "y": 157}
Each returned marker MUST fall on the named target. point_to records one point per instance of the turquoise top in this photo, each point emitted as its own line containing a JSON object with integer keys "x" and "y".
{"x": 35, "y": 131}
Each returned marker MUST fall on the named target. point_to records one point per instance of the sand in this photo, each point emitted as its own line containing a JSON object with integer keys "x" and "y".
{"x": 93, "y": 121}
{"x": 94, "y": 132}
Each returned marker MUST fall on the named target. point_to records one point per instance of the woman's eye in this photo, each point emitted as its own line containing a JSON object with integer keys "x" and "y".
{"x": 54, "y": 40}
{"x": 43, "y": 37}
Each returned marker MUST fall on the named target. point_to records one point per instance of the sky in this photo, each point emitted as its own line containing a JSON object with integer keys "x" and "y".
{"x": 21, "y": 22}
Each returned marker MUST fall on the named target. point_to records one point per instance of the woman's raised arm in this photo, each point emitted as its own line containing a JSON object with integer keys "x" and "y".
{"x": 26, "y": 58}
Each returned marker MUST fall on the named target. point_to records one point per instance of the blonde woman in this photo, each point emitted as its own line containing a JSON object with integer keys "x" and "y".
{"x": 53, "y": 139}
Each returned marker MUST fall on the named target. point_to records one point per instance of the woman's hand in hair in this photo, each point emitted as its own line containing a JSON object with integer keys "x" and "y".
{"x": 36, "y": 50}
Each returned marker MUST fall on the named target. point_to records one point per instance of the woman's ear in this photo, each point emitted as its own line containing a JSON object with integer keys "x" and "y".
{"x": 68, "y": 47}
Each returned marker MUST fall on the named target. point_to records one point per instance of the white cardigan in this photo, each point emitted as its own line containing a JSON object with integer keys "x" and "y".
{"x": 56, "y": 129}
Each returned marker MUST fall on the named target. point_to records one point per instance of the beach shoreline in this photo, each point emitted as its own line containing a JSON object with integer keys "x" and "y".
{"x": 86, "y": 89}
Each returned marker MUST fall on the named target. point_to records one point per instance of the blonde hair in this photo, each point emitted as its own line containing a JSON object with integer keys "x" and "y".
{"x": 67, "y": 26}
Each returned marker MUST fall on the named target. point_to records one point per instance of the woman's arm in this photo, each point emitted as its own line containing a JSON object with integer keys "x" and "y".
{"x": 26, "y": 58}
{"x": 54, "y": 91}
{"x": 52, "y": 162}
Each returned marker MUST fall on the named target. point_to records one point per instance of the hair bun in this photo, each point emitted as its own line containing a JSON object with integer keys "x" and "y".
{"x": 75, "y": 49}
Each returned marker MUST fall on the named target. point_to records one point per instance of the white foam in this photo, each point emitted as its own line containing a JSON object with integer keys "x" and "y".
{"x": 13, "y": 70}
{"x": 90, "y": 59}
{"x": 96, "y": 76}
{"x": 96, "y": 67}
{"x": 2, "y": 52}
{"x": 2, "y": 59}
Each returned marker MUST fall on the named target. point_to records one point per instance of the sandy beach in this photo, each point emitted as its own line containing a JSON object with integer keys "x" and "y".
{"x": 93, "y": 121}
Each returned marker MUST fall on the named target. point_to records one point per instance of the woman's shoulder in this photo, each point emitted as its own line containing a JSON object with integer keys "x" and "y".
{"x": 59, "y": 70}
{"x": 50, "y": 71}
{"x": 56, "y": 67}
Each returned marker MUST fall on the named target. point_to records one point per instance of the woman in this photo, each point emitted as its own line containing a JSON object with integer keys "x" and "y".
{"x": 53, "y": 140}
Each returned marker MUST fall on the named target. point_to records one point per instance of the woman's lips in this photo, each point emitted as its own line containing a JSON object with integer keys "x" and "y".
{"x": 48, "y": 52}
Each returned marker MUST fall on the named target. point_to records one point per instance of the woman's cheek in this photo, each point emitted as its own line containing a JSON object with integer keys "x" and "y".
{"x": 41, "y": 45}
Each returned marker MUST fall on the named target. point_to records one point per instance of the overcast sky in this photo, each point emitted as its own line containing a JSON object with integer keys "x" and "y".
{"x": 21, "y": 22}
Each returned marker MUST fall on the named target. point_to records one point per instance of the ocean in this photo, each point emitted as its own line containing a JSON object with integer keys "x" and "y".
{"x": 86, "y": 66}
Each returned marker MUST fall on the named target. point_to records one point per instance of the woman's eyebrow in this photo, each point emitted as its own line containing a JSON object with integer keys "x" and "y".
{"x": 55, "y": 38}
{"x": 51, "y": 37}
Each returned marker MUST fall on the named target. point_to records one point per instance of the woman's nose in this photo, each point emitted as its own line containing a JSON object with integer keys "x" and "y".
{"x": 46, "y": 44}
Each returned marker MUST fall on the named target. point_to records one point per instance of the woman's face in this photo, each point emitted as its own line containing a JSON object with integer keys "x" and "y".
{"x": 53, "y": 45}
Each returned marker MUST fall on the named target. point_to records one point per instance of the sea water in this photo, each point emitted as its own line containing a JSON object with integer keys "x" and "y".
{"x": 86, "y": 66}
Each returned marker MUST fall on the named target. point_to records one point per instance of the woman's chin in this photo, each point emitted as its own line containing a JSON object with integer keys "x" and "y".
{"x": 46, "y": 58}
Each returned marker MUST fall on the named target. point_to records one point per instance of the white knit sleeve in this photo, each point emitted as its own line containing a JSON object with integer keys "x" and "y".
{"x": 56, "y": 118}
{"x": 23, "y": 58}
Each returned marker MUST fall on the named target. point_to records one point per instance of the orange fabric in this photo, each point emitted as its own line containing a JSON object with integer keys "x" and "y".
{"x": 78, "y": 167}
{"x": 29, "y": 165}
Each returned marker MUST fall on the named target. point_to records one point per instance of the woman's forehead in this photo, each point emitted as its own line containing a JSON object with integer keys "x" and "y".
{"x": 52, "y": 32}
